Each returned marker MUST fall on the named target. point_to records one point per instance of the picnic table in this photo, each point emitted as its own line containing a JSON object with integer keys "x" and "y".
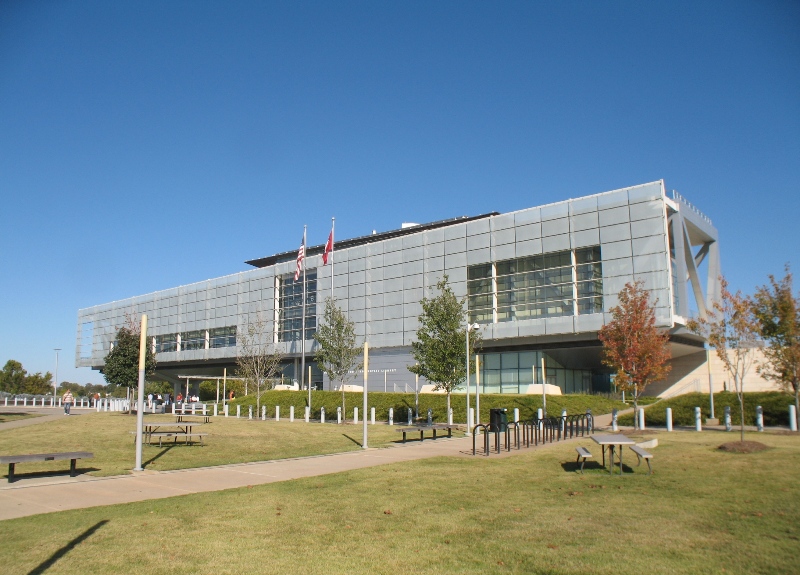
{"x": 612, "y": 442}
{"x": 169, "y": 429}
{"x": 192, "y": 418}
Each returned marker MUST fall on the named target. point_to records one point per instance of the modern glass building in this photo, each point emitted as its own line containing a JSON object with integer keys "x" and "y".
{"x": 539, "y": 281}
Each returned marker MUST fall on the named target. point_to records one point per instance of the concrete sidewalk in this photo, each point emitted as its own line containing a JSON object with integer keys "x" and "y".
{"x": 46, "y": 494}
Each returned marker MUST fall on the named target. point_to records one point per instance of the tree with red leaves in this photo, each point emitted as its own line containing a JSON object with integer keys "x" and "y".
{"x": 632, "y": 344}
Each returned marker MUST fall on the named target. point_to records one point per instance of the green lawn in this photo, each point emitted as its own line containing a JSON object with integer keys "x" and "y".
{"x": 230, "y": 440}
{"x": 6, "y": 416}
{"x": 702, "y": 511}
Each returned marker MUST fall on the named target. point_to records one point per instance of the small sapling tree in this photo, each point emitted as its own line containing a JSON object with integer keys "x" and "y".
{"x": 338, "y": 354}
{"x": 441, "y": 341}
{"x": 777, "y": 310}
{"x": 632, "y": 344}
{"x": 732, "y": 330}
{"x": 258, "y": 359}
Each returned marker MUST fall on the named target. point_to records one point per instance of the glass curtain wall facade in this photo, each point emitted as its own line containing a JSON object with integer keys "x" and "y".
{"x": 561, "y": 283}
{"x": 290, "y": 306}
{"x": 513, "y": 372}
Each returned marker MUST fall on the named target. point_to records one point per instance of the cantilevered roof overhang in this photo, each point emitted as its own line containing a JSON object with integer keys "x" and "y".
{"x": 363, "y": 240}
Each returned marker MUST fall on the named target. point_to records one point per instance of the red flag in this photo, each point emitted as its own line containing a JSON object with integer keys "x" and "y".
{"x": 328, "y": 249}
{"x": 300, "y": 255}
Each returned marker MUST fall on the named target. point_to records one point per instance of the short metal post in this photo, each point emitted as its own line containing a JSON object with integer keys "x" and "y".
{"x": 430, "y": 416}
{"x": 322, "y": 414}
{"x": 250, "y": 412}
{"x": 308, "y": 413}
{"x": 391, "y": 416}
{"x": 372, "y": 415}
{"x": 355, "y": 416}
{"x": 698, "y": 426}
{"x": 641, "y": 418}
{"x": 216, "y": 408}
{"x": 792, "y": 418}
{"x": 238, "y": 411}
{"x": 339, "y": 414}
{"x": 727, "y": 416}
{"x": 410, "y": 416}
{"x": 614, "y": 424}
{"x": 291, "y": 414}
{"x": 760, "y": 418}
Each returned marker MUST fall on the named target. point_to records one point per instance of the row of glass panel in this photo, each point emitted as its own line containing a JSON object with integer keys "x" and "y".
{"x": 546, "y": 285}
{"x": 190, "y": 340}
{"x": 513, "y": 372}
{"x": 290, "y": 304}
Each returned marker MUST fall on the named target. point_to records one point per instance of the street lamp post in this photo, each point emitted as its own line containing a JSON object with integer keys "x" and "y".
{"x": 55, "y": 381}
{"x": 469, "y": 328}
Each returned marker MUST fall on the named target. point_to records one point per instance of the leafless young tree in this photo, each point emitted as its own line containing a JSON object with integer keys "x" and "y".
{"x": 258, "y": 359}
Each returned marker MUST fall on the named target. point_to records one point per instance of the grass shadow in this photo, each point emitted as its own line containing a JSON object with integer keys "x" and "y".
{"x": 158, "y": 455}
{"x": 353, "y": 440}
{"x": 45, "y": 565}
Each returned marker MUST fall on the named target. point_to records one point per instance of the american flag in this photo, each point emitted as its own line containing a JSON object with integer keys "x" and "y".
{"x": 300, "y": 255}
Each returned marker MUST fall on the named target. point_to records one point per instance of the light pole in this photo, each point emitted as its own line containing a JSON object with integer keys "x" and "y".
{"x": 469, "y": 328}
{"x": 55, "y": 381}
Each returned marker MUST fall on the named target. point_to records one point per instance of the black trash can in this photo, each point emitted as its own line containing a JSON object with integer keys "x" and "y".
{"x": 498, "y": 419}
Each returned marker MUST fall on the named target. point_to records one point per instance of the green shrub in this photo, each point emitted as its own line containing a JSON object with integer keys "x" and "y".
{"x": 401, "y": 402}
{"x": 774, "y": 404}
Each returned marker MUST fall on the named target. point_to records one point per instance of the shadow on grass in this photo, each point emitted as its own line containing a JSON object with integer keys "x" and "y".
{"x": 45, "y": 565}
{"x": 353, "y": 440}
{"x": 158, "y": 455}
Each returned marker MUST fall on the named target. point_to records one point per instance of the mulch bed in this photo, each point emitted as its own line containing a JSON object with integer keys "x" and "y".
{"x": 742, "y": 447}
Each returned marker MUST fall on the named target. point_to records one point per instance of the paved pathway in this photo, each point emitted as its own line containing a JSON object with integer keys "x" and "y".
{"x": 45, "y": 494}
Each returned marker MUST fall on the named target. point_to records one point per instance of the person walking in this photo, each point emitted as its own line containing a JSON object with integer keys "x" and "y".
{"x": 67, "y": 400}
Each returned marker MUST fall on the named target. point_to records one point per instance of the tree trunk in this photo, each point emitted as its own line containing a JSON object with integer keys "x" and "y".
{"x": 741, "y": 412}
{"x": 796, "y": 400}
{"x": 447, "y": 415}
{"x": 344, "y": 411}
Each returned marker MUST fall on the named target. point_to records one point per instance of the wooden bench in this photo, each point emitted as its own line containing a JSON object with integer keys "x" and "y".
{"x": 175, "y": 435}
{"x": 73, "y": 456}
{"x": 642, "y": 454}
{"x": 583, "y": 455}
{"x": 434, "y": 427}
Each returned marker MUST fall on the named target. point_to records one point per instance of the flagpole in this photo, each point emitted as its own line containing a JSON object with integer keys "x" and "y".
{"x": 303, "y": 326}
{"x": 333, "y": 225}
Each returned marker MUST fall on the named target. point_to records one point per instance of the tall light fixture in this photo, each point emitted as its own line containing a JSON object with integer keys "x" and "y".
{"x": 55, "y": 381}
{"x": 470, "y": 327}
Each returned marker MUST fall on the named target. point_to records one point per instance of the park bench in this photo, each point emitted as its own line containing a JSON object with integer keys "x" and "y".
{"x": 73, "y": 456}
{"x": 422, "y": 428}
{"x": 583, "y": 455}
{"x": 643, "y": 454}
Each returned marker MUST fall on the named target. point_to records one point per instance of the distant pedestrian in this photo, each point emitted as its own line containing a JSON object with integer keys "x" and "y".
{"x": 67, "y": 400}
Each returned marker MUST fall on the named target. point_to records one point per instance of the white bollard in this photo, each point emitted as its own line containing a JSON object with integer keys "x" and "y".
{"x": 322, "y": 414}
{"x": 308, "y": 413}
{"x": 391, "y": 416}
{"x": 669, "y": 419}
{"x": 355, "y": 415}
{"x": 6, "y": 402}
{"x": 15, "y": 401}
{"x": 277, "y": 413}
{"x": 215, "y": 409}
{"x": 225, "y": 409}
{"x": 516, "y": 414}
{"x": 759, "y": 418}
{"x": 792, "y": 418}
{"x": 291, "y": 414}
{"x": 250, "y": 412}
{"x": 728, "y": 426}
{"x": 563, "y": 420}
{"x": 339, "y": 415}
{"x": 641, "y": 418}
{"x": 238, "y": 411}
{"x": 204, "y": 409}
{"x": 263, "y": 413}
{"x": 450, "y": 416}
{"x": 539, "y": 415}
{"x": 470, "y": 418}
{"x": 97, "y": 406}
{"x": 698, "y": 426}
{"x": 614, "y": 424}
{"x": 410, "y": 416}
{"x": 24, "y": 402}
{"x": 183, "y": 408}
{"x": 372, "y": 415}
{"x": 173, "y": 408}
{"x": 193, "y": 409}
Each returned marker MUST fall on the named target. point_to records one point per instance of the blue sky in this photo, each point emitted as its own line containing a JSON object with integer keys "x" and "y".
{"x": 145, "y": 145}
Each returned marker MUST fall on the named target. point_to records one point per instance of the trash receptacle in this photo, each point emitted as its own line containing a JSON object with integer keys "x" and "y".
{"x": 498, "y": 419}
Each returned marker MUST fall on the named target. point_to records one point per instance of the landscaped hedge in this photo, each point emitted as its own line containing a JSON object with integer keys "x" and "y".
{"x": 527, "y": 404}
{"x": 774, "y": 404}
